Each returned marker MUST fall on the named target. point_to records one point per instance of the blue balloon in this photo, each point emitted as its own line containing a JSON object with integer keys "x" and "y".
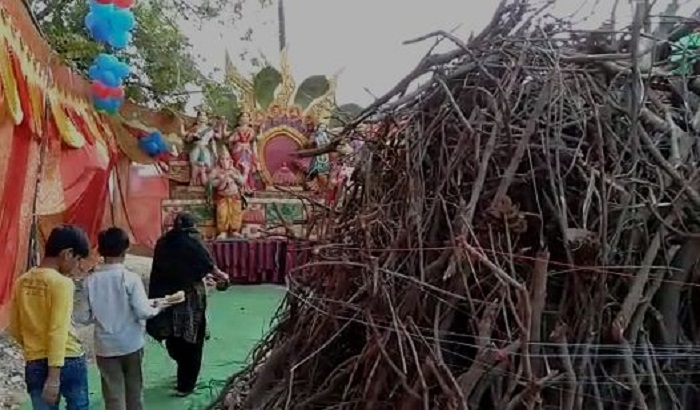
{"x": 109, "y": 70}
{"x": 109, "y": 79}
{"x": 104, "y": 60}
{"x": 90, "y": 21}
{"x": 122, "y": 70}
{"x": 122, "y": 20}
{"x": 120, "y": 40}
{"x": 99, "y": 104}
{"x": 108, "y": 105}
{"x": 94, "y": 72}
{"x": 149, "y": 147}
{"x": 98, "y": 28}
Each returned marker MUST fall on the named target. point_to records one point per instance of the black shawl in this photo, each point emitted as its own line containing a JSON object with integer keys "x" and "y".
{"x": 180, "y": 263}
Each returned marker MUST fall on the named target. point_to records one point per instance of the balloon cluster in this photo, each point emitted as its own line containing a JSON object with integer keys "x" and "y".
{"x": 154, "y": 145}
{"x": 108, "y": 74}
{"x": 109, "y": 22}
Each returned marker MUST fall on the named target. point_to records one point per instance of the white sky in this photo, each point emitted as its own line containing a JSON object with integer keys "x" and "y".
{"x": 363, "y": 37}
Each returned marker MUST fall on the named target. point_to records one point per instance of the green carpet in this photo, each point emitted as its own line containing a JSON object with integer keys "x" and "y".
{"x": 238, "y": 318}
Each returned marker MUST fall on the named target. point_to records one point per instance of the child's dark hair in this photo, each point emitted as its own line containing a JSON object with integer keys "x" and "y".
{"x": 67, "y": 237}
{"x": 113, "y": 243}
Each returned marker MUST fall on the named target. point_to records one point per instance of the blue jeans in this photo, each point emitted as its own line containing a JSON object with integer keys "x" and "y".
{"x": 74, "y": 384}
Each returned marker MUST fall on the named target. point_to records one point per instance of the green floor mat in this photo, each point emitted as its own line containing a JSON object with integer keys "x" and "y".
{"x": 238, "y": 318}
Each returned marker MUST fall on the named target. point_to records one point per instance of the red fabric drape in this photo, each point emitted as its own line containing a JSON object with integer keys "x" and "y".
{"x": 144, "y": 196}
{"x": 85, "y": 177}
{"x": 139, "y": 191}
{"x": 11, "y": 205}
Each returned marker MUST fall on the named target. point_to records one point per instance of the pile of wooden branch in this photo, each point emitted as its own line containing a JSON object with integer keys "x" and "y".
{"x": 524, "y": 240}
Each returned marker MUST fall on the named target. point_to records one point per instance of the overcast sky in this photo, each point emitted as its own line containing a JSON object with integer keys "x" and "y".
{"x": 362, "y": 37}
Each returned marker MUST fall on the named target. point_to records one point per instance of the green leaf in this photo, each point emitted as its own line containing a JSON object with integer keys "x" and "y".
{"x": 266, "y": 83}
{"x": 344, "y": 114}
{"x": 311, "y": 89}
{"x": 221, "y": 101}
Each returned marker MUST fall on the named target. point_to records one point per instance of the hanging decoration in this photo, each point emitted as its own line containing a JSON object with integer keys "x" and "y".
{"x": 109, "y": 22}
{"x": 154, "y": 145}
{"x": 108, "y": 74}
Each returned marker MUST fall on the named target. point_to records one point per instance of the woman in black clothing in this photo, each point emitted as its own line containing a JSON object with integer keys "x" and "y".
{"x": 181, "y": 262}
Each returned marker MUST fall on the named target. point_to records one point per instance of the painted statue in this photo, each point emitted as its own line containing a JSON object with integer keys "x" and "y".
{"x": 295, "y": 119}
{"x": 203, "y": 151}
{"x": 275, "y": 117}
{"x": 320, "y": 166}
{"x": 227, "y": 181}
{"x": 285, "y": 177}
{"x": 242, "y": 146}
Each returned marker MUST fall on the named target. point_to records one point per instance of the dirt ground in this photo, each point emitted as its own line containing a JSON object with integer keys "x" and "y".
{"x": 12, "y": 391}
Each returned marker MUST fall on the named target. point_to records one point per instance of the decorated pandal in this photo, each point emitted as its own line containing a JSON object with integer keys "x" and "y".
{"x": 254, "y": 197}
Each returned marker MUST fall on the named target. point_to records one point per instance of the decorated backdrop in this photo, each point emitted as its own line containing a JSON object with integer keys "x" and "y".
{"x": 57, "y": 152}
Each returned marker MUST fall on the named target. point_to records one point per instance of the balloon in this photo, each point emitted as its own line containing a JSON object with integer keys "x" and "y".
{"x": 98, "y": 29}
{"x": 124, "y": 4}
{"x": 121, "y": 70}
{"x": 104, "y": 60}
{"x": 149, "y": 147}
{"x": 99, "y": 90}
{"x": 115, "y": 92}
{"x": 100, "y": 104}
{"x": 105, "y": 1}
{"x": 122, "y": 20}
{"x": 94, "y": 72}
{"x": 108, "y": 105}
{"x": 109, "y": 70}
{"x": 109, "y": 79}
{"x": 102, "y": 10}
{"x": 120, "y": 40}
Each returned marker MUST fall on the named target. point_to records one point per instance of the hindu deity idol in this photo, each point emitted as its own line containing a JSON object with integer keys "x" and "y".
{"x": 285, "y": 177}
{"x": 227, "y": 181}
{"x": 295, "y": 118}
{"x": 242, "y": 146}
{"x": 320, "y": 166}
{"x": 203, "y": 150}
{"x": 275, "y": 116}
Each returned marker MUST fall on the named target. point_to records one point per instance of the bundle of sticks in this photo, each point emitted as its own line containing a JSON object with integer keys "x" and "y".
{"x": 523, "y": 235}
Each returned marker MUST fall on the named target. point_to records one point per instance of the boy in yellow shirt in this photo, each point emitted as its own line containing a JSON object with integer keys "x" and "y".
{"x": 40, "y": 321}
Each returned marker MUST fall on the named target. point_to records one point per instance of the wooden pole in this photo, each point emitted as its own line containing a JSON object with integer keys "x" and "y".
{"x": 33, "y": 250}
{"x": 282, "y": 25}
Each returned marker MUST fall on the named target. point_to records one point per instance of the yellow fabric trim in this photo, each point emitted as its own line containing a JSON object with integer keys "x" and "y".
{"x": 68, "y": 132}
{"x": 9, "y": 84}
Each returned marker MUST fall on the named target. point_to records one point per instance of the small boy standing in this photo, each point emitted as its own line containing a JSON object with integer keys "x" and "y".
{"x": 115, "y": 301}
{"x": 40, "y": 321}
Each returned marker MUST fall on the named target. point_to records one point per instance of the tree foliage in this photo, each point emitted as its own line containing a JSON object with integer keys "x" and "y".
{"x": 221, "y": 101}
{"x": 165, "y": 67}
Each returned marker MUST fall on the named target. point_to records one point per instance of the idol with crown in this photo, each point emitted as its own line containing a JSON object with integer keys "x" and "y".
{"x": 256, "y": 178}
{"x": 270, "y": 131}
{"x": 228, "y": 183}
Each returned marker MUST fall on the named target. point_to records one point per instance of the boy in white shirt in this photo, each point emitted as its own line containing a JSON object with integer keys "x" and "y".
{"x": 115, "y": 301}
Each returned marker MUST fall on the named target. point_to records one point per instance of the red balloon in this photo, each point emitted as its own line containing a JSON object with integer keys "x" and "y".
{"x": 99, "y": 90}
{"x": 115, "y": 92}
{"x": 124, "y": 4}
